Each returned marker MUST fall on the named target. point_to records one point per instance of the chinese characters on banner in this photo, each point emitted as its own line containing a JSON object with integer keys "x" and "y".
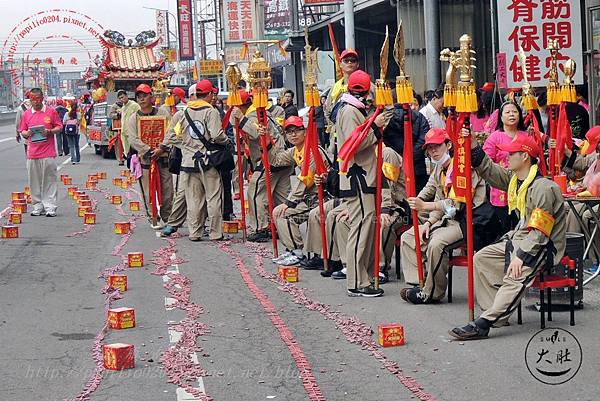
{"x": 277, "y": 19}
{"x": 186, "y": 30}
{"x": 152, "y": 130}
{"x": 530, "y": 24}
{"x": 161, "y": 28}
{"x": 239, "y": 20}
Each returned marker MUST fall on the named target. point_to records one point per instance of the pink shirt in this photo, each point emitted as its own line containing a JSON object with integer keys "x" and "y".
{"x": 490, "y": 147}
{"x": 48, "y": 117}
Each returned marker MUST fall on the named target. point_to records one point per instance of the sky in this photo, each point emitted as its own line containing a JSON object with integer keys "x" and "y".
{"x": 126, "y": 16}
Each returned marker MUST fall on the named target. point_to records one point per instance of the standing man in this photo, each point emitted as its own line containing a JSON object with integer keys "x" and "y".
{"x": 145, "y": 100}
{"x": 433, "y": 110}
{"x": 38, "y": 125}
{"x": 358, "y": 186}
{"x": 128, "y": 109}
{"x": 505, "y": 269}
{"x": 60, "y": 140}
{"x": 201, "y": 133}
{"x": 288, "y": 104}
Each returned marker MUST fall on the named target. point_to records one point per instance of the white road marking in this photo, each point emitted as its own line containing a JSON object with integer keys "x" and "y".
{"x": 69, "y": 159}
{"x": 175, "y": 336}
{"x": 8, "y": 139}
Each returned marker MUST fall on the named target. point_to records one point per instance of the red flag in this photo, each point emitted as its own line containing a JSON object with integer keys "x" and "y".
{"x": 564, "y": 134}
{"x": 459, "y": 170}
{"x": 154, "y": 190}
{"x": 351, "y": 144}
{"x": 537, "y": 135}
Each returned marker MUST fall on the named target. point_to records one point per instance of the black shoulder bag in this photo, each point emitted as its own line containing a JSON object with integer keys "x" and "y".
{"x": 217, "y": 156}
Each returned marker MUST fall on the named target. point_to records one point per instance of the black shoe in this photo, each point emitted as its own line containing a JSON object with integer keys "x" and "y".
{"x": 369, "y": 292}
{"x": 469, "y": 332}
{"x": 332, "y": 267}
{"x": 414, "y": 295}
{"x": 339, "y": 275}
{"x": 314, "y": 263}
{"x": 121, "y": 163}
{"x": 260, "y": 236}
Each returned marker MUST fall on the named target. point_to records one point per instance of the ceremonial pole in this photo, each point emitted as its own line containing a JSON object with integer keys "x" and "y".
{"x": 383, "y": 97}
{"x": 259, "y": 76}
{"x": 553, "y": 96}
{"x": 404, "y": 95}
{"x": 311, "y": 144}
{"x": 466, "y": 103}
{"x": 234, "y": 76}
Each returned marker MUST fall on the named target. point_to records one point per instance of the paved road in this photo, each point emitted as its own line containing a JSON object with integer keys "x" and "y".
{"x": 257, "y": 331}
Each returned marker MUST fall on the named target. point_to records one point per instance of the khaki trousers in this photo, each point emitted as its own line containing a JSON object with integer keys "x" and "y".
{"x": 43, "y": 182}
{"x": 313, "y": 242}
{"x": 179, "y": 209}
{"x": 204, "y": 197}
{"x": 166, "y": 189}
{"x": 359, "y": 243}
{"x": 288, "y": 226}
{"x": 435, "y": 258}
{"x": 497, "y": 294}
{"x": 257, "y": 195}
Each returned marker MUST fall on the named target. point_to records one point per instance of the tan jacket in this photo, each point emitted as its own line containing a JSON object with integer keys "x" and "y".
{"x": 128, "y": 110}
{"x": 434, "y": 191}
{"x": 362, "y": 171}
{"x": 249, "y": 124}
{"x": 134, "y": 137}
{"x": 181, "y": 135}
{"x": 543, "y": 199}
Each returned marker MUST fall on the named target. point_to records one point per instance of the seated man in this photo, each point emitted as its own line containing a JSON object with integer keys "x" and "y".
{"x": 505, "y": 269}
{"x": 442, "y": 228}
{"x": 294, "y": 211}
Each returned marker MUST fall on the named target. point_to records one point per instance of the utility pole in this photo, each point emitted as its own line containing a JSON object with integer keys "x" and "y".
{"x": 431, "y": 20}
{"x": 349, "y": 24}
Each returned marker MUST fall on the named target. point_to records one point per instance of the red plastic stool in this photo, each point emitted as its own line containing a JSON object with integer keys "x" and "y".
{"x": 455, "y": 261}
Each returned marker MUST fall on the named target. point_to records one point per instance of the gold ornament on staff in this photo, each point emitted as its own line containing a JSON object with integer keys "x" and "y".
{"x": 259, "y": 77}
{"x": 553, "y": 86}
{"x": 311, "y": 91}
{"x": 404, "y": 89}
{"x": 383, "y": 92}
{"x": 529, "y": 101}
{"x": 466, "y": 97}
{"x": 567, "y": 90}
{"x": 233, "y": 76}
{"x": 451, "y": 58}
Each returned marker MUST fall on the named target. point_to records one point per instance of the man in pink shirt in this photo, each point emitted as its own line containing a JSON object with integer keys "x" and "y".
{"x": 38, "y": 125}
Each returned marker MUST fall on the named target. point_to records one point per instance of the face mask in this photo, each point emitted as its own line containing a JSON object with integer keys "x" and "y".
{"x": 442, "y": 161}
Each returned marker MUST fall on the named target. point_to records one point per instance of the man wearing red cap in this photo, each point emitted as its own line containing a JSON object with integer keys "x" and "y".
{"x": 280, "y": 176}
{"x": 359, "y": 184}
{"x": 145, "y": 100}
{"x": 442, "y": 228}
{"x": 197, "y": 132}
{"x": 505, "y": 269}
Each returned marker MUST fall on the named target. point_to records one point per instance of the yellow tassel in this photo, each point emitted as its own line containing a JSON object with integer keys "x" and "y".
{"x": 568, "y": 94}
{"x": 554, "y": 96}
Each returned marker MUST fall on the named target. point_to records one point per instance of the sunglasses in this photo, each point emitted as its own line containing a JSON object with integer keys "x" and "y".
{"x": 349, "y": 60}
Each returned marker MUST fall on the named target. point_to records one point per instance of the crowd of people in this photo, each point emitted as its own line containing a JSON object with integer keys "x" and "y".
{"x": 520, "y": 217}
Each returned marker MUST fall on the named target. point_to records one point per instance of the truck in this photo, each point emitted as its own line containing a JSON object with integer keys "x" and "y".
{"x": 99, "y": 132}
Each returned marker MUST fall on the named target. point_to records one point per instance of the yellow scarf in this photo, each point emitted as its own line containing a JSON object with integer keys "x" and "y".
{"x": 338, "y": 88}
{"x": 196, "y": 104}
{"x": 517, "y": 200}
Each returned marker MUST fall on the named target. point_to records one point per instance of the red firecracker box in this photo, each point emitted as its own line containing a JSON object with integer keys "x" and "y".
{"x": 27, "y": 191}
{"x": 118, "y": 356}
{"x": 289, "y": 273}
{"x": 116, "y": 199}
{"x": 240, "y": 224}
{"x": 82, "y": 198}
{"x": 122, "y": 227}
{"x": 71, "y": 191}
{"x": 89, "y": 218}
{"x": 124, "y": 183}
{"x": 132, "y": 180}
{"x": 18, "y": 202}
{"x": 20, "y": 207}
{"x": 124, "y": 173}
{"x": 68, "y": 181}
{"x": 134, "y": 206}
{"x": 117, "y": 181}
{"x": 10, "y": 232}
{"x": 391, "y": 335}
{"x": 90, "y": 185}
{"x": 101, "y": 175}
{"x": 135, "y": 259}
{"x": 85, "y": 202}
{"x": 92, "y": 177}
{"x": 230, "y": 227}
{"x": 63, "y": 176}
{"x": 121, "y": 318}
{"x": 82, "y": 210}
{"x": 77, "y": 194}
{"x": 118, "y": 281}
{"x": 15, "y": 218}
{"x": 18, "y": 196}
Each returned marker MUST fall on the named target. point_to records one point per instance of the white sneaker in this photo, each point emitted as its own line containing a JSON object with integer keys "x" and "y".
{"x": 281, "y": 257}
{"x": 292, "y": 260}
{"x": 51, "y": 213}
{"x": 37, "y": 212}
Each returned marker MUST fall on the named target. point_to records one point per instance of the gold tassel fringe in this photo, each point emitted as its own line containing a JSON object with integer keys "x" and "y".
{"x": 260, "y": 97}
{"x": 234, "y": 98}
{"x": 530, "y": 102}
{"x": 311, "y": 96}
{"x": 554, "y": 96}
{"x": 404, "y": 90}
{"x": 568, "y": 94}
{"x": 383, "y": 93}
{"x": 466, "y": 99}
{"x": 449, "y": 96}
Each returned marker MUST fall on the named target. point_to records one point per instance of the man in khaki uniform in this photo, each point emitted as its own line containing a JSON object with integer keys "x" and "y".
{"x": 313, "y": 243}
{"x": 289, "y": 215}
{"x": 505, "y": 269}
{"x": 442, "y": 228}
{"x": 358, "y": 185}
{"x": 280, "y": 176}
{"x": 145, "y": 100}
{"x": 128, "y": 109}
{"x": 201, "y": 180}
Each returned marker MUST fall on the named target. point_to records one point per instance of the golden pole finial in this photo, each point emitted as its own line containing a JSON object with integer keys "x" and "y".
{"x": 529, "y": 101}
{"x": 383, "y": 93}
{"x": 466, "y": 101}
{"x": 311, "y": 91}
{"x": 553, "y": 86}
{"x": 404, "y": 89}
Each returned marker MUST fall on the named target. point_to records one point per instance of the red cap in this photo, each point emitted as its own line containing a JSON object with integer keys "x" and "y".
{"x": 487, "y": 87}
{"x": 293, "y": 121}
{"x": 521, "y": 143}
{"x": 435, "y": 136}
{"x": 205, "y": 86}
{"x": 593, "y": 137}
{"x": 144, "y": 88}
{"x": 180, "y": 93}
{"x": 349, "y": 53}
{"x": 359, "y": 81}
{"x": 245, "y": 96}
